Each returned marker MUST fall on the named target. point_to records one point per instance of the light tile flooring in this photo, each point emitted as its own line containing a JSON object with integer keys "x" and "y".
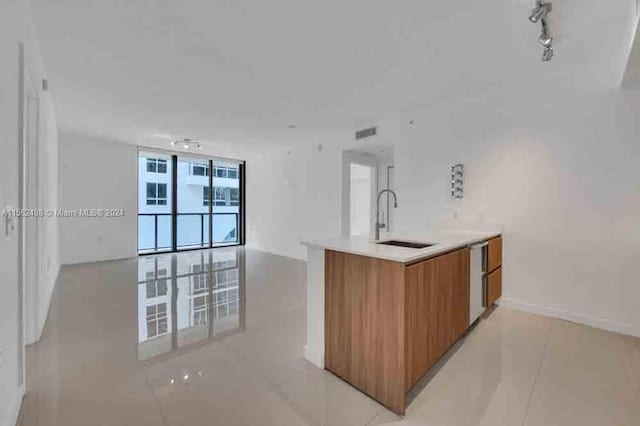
{"x": 135, "y": 343}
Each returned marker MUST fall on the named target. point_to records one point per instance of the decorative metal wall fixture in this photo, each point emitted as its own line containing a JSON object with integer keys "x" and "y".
{"x": 457, "y": 181}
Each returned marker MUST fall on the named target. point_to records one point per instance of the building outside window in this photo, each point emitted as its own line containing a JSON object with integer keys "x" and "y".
{"x": 156, "y": 194}
{"x": 234, "y": 197}
{"x": 219, "y": 196}
{"x": 204, "y": 215}
{"x": 199, "y": 169}
{"x": 156, "y": 165}
{"x": 205, "y": 196}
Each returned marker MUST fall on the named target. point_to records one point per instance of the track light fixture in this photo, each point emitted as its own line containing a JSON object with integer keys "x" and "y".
{"x": 187, "y": 144}
{"x": 539, "y": 14}
{"x": 541, "y": 11}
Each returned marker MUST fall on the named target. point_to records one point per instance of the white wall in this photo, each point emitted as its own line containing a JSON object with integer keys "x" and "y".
{"x": 97, "y": 174}
{"x": 293, "y": 193}
{"x": 558, "y": 170}
{"x": 16, "y": 26}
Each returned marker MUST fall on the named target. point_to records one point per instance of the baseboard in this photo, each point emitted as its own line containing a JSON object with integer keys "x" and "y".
{"x": 591, "y": 321}
{"x": 15, "y": 408}
{"x": 314, "y": 357}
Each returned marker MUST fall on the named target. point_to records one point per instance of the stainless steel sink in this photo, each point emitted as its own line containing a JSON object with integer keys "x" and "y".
{"x": 407, "y": 244}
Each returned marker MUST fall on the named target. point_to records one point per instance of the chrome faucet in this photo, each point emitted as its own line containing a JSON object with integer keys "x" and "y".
{"x": 379, "y": 225}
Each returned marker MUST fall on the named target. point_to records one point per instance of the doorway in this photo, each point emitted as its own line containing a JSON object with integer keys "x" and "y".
{"x": 361, "y": 198}
{"x": 359, "y": 188}
{"x": 365, "y": 172}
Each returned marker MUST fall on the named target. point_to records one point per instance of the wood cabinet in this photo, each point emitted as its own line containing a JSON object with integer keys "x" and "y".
{"x": 494, "y": 254}
{"x": 436, "y": 310}
{"x": 493, "y": 278}
{"x": 386, "y": 323}
{"x": 364, "y": 321}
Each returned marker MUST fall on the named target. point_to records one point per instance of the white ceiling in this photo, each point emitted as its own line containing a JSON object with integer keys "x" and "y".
{"x": 244, "y": 70}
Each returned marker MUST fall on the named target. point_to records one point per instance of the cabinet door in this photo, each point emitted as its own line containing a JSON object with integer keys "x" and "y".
{"x": 364, "y": 322}
{"x": 436, "y": 310}
{"x": 494, "y": 286}
{"x": 494, "y": 254}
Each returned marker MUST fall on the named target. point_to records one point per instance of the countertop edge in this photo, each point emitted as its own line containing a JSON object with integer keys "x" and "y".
{"x": 423, "y": 254}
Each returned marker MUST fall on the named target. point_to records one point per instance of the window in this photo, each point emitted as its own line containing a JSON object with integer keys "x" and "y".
{"x": 219, "y": 196}
{"x": 156, "y": 165}
{"x": 156, "y": 194}
{"x": 234, "y": 196}
{"x": 157, "y": 320}
{"x": 220, "y": 172}
{"x": 188, "y": 201}
{"x": 200, "y": 170}
{"x": 205, "y": 196}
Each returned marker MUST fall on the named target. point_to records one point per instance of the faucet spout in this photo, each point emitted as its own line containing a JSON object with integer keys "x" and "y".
{"x": 380, "y": 225}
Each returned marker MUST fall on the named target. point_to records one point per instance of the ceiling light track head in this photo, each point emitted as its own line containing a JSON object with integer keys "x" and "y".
{"x": 539, "y": 14}
{"x": 541, "y": 11}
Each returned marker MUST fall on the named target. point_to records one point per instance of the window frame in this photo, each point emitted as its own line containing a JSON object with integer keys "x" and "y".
{"x": 156, "y": 199}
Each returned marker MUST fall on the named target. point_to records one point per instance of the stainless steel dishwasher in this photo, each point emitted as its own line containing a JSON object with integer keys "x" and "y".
{"x": 478, "y": 268}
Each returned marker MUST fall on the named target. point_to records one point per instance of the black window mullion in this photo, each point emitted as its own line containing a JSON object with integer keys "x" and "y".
{"x": 242, "y": 201}
{"x": 210, "y": 203}
{"x": 174, "y": 202}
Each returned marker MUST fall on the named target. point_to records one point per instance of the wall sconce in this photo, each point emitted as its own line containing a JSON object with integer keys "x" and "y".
{"x": 457, "y": 181}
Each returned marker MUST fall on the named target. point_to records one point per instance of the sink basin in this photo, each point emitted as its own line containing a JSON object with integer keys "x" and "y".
{"x": 407, "y": 244}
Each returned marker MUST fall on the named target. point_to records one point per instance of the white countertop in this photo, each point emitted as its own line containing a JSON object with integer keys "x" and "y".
{"x": 443, "y": 241}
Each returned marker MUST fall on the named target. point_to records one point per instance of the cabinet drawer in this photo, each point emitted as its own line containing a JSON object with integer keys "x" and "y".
{"x": 494, "y": 254}
{"x": 494, "y": 287}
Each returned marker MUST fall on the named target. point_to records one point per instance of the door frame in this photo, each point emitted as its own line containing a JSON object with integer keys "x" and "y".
{"x": 360, "y": 158}
{"x": 31, "y": 229}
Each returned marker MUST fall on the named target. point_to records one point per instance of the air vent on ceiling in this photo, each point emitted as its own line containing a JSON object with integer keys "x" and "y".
{"x": 371, "y": 131}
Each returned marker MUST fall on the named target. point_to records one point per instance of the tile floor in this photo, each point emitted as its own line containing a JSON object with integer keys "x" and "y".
{"x": 137, "y": 342}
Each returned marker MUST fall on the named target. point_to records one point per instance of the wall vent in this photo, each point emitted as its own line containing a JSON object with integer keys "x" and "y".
{"x": 371, "y": 131}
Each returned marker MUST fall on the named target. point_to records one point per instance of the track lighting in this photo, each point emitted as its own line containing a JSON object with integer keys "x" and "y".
{"x": 540, "y": 11}
{"x": 187, "y": 144}
{"x": 539, "y": 14}
{"x": 545, "y": 39}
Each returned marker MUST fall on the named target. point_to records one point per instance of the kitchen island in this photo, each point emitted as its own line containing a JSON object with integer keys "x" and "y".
{"x": 380, "y": 316}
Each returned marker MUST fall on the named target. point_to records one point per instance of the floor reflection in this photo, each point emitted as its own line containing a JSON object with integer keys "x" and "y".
{"x": 189, "y": 299}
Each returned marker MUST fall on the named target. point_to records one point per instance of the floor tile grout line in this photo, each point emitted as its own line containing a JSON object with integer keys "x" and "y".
{"x": 155, "y": 397}
{"x": 535, "y": 381}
